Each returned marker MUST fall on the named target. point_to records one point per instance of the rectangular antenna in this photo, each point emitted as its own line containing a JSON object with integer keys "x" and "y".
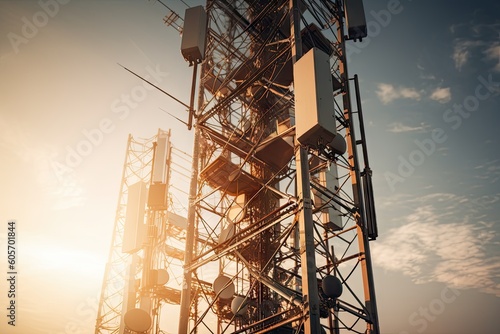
{"x": 194, "y": 34}
{"x": 355, "y": 19}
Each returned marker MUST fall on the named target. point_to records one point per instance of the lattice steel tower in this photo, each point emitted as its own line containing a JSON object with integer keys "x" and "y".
{"x": 147, "y": 242}
{"x": 281, "y": 204}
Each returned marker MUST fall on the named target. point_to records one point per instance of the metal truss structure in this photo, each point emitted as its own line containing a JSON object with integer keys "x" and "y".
{"x": 278, "y": 232}
{"x": 137, "y": 278}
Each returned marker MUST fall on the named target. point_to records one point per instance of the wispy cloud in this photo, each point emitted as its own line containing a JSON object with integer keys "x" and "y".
{"x": 388, "y": 93}
{"x": 474, "y": 39}
{"x": 398, "y": 127}
{"x": 493, "y": 53}
{"x": 443, "y": 239}
{"x": 489, "y": 171}
{"x": 461, "y": 52}
{"x": 455, "y": 27}
{"x": 441, "y": 95}
{"x": 424, "y": 76}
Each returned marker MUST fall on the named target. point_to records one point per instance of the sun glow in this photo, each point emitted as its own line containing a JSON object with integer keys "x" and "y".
{"x": 63, "y": 259}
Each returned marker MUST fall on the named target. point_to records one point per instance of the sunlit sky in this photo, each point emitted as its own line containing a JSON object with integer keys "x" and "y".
{"x": 430, "y": 85}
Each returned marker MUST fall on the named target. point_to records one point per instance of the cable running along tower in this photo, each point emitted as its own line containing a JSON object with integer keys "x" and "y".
{"x": 281, "y": 205}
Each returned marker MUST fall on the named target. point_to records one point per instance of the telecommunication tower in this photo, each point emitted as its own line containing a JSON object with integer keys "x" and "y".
{"x": 281, "y": 207}
{"x": 147, "y": 244}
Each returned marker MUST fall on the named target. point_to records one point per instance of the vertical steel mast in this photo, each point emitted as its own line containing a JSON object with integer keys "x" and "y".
{"x": 281, "y": 213}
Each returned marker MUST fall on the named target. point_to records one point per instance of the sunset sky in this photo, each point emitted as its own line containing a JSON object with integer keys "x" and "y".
{"x": 430, "y": 86}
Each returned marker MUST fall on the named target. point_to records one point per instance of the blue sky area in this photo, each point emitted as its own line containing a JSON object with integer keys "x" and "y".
{"x": 430, "y": 85}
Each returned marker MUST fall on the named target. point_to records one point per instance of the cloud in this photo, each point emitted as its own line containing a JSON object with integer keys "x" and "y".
{"x": 427, "y": 76}
{"x": 462, "y": 51}
{"x": 388, "y": 93}
{"x": 441, "y": 95}
{"x": 398, "y": 127}
{"x": 423, "y": 72}
{"x": 489, "y": 171}
{"x": 474, "y": 38}
{"x": 444, "y": 239}
{"x": 409, "y": 93}
{"x": 455, "y": 27}
{"x": 493, "y": 53}
{"x": 460, "y": 57}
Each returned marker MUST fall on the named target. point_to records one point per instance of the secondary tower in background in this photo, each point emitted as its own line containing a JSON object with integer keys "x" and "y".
{"x": 143, "y": 271}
